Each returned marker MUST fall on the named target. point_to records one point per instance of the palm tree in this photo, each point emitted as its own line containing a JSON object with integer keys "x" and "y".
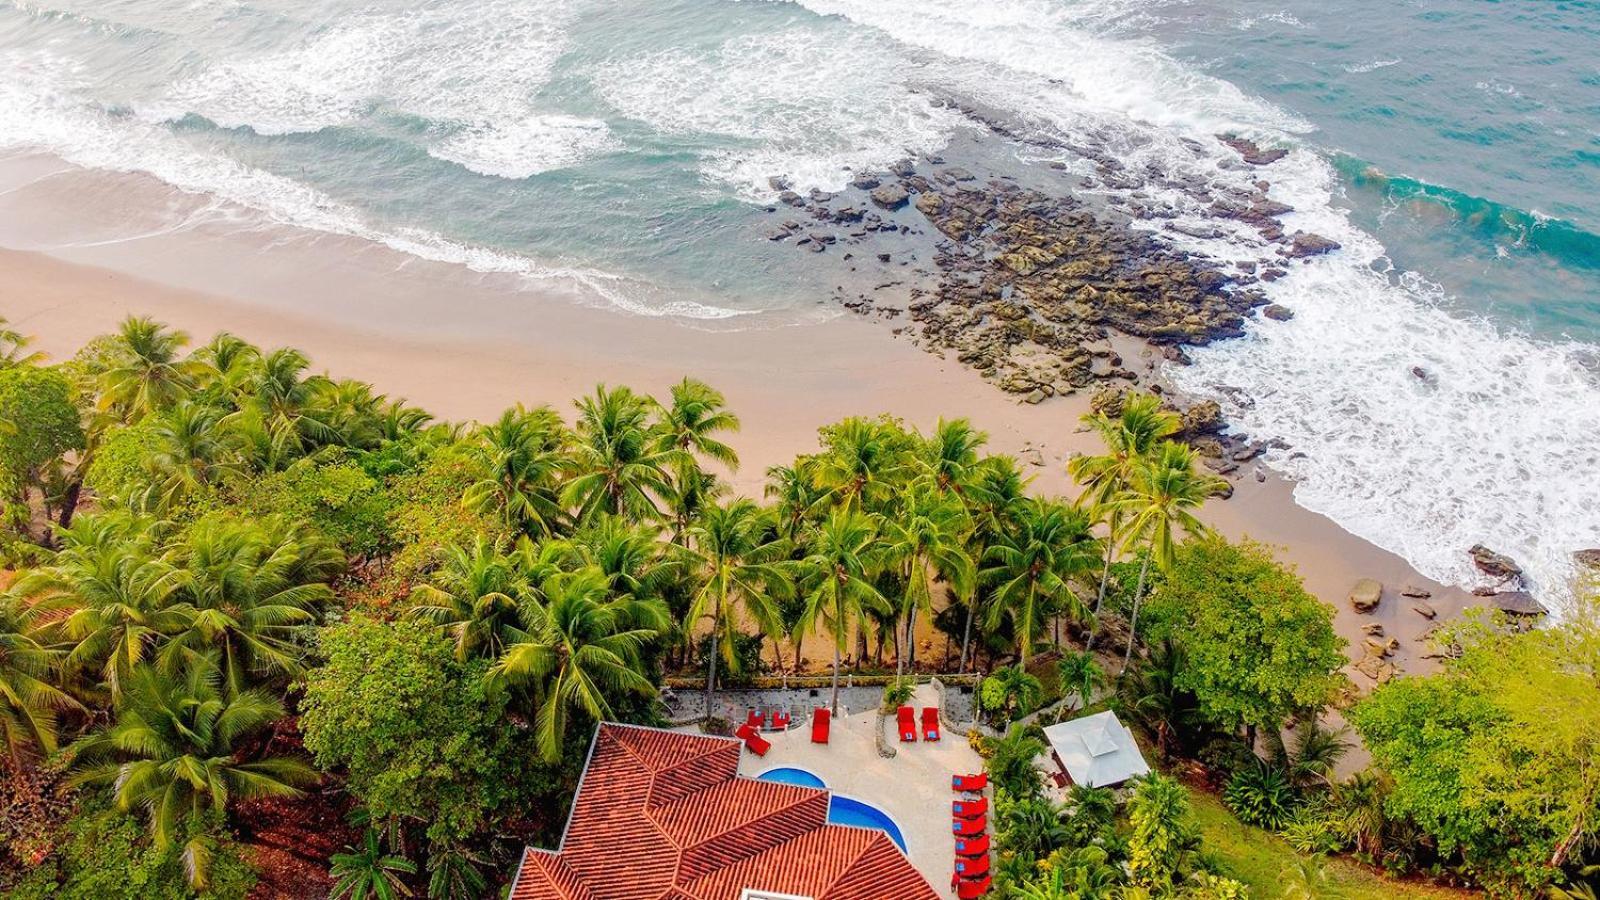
{"x": 228, "y": 362}
{"x": 188, "y": 454}
{"x": 927, "y": 536}
{"x": 1031, "y": 826}
{"x": 690, "y": 491}
{"x": 477, "y": 597}
{"x": 173, "y": 752}
{"x": 698, "y": 413}
{"x": 293, "y": 408}
{"x": 796, "y": 495}
{"x": 951, "y": 455}
{"x": 619, "y": 465}
{"x": 864, "y": 461}
{"x": 838, "y": 574}
{"x": 28, "y": 701}
{"x": 12, "y": 345}
{"x": 637, "y": 567}
{"x": 1157, "y": 507}
{"x": 455, "y": 873}
{"x": 120, "y": 602}
{"x": 1032, "y": 568}
{"x": 245, "y": 589}
{"x": 577, "y": 656}
{"x": 1019, "y": 688}
{"x": 738, "y": 569}
{"x": 1080, "y": 675}
{"x": 1152, "y": 695}
{"x": 520, "y": 456}
{"x": 1011, "y": 762}
{"x": 1129, "y": 437}
{"x": 368, "y": 872}
{"x": 996, "y": 499}
{"x": 145, "y": 373}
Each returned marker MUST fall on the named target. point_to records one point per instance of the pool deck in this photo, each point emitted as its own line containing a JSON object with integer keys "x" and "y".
{"x": 913, "y": 788}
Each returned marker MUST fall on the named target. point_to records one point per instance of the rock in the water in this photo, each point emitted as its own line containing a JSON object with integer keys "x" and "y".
{"x": 1494, "y": 565}
{"x": 865, "y": 182}
{"x": 1518, "y": 603}
{"x": 1304, "y": 243}
{"x": 1424, "y": 609}
{"x": 1590, "y": 558}
{"x": 1277, "y": 312}
{"x": 1366, "y": 595}
{"x": 792, "y": 199}
{"x": 891, "y": 196}
{"x": 1251, "y": 152}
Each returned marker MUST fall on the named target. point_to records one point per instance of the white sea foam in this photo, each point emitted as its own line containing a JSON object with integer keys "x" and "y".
{"x": 1372, "y": 66}
{"x": 39, "y": 109}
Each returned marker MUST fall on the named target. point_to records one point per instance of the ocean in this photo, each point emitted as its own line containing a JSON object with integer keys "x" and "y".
{"x": 631, "y": 149}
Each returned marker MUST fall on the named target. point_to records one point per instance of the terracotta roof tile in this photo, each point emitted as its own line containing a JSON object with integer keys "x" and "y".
{"x": 663, "y": 815}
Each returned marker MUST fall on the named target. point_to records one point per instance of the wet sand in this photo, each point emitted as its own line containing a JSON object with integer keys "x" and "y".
{"x": 465, "y": 346}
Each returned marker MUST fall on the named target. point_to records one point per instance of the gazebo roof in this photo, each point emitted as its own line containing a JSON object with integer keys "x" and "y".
{"x": 1097, "y": 750}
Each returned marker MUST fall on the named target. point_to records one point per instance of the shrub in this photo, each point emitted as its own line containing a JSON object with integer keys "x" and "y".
{"x": 1260, "y": 795}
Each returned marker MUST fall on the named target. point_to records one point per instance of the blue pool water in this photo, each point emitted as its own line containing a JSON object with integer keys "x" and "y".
{"x": 841, "y": 810}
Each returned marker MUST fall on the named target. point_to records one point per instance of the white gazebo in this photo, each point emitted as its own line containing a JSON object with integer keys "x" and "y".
{"x": 1097, "y": 750}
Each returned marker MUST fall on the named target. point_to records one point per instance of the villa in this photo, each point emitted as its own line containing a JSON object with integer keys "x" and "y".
{"x": 665, "y": 815}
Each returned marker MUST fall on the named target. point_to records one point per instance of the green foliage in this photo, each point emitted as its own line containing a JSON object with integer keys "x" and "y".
{"x": 120, "y": 473}
{"x": 1009, "y": 692}
{"x": 1260, "y": 794}
{"x": 333, "y": 495}
{"x": 1258, "y": 646}
{"x": 1496, "y": 756}
{"x": 42, "y": 424}
{"x": 366, "y": 872}
{"x": 107, "y": 856}
{"x": 415, "y": 728}
{"x": 1010, "y": 759}
{"x": 1161, "y": 832}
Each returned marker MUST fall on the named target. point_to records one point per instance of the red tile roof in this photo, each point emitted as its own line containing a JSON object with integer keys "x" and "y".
{"x": 662, "y": 815}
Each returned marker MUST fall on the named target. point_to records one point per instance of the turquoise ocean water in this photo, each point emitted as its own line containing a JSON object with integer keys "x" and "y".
{"x": 1451, "y": 146}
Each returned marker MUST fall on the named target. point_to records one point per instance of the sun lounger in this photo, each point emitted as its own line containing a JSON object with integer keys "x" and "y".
{"x": 756, "y": 719}
{"x": 908, "y": 725}
{"x": 969, "y": 827}
{"x": 930, "y": 723}
{"x": 972, "y": 868}
{"x": 968, "y": 890}
{"x": 780, "y": 719}
{"x": 966, "y": 809}
{"x": 976, "y": 846}
{"x": 758, "y": 744}
{"x": 745, "y": 732}
{"x": 972, "y": 783}
{"x": 819, "y": 725}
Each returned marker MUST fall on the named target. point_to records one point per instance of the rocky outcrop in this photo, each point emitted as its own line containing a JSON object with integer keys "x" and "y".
{"x": 1303, "y": 244}
{"x": 1278, "y": 313}
{"x": 1366, "y": 595}
{"x": 1494, "y": 565}
{"x": 890, "y": 196}
{"x": 1518, "y": 603}
{"x": 1251, "y": 152}
{"x": 1588, "y": 558}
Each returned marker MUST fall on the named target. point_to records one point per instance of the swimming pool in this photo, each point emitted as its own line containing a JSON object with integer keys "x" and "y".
{"x": 841, "y": 810}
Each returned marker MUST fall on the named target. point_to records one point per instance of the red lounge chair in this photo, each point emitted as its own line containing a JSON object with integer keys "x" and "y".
{"x": 758, "y": 744}
{"x": 969, "y": 827}
{"x": 969, "y": 890}
{"x": 966, "y": 809}
{"x": 972, "y": 868}
{"x": 973, "y": 783}
{"x": 930, "y": 723}
{"x": 745, "y": 732}
{"x": 978, "y": 846}
{"x": 819, "y": 725}
{"x": 756, "y": 719}
{"x": 780, "y": 719}
{"x": 908, "y": 725}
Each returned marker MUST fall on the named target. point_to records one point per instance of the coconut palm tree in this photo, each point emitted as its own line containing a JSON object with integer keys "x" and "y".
{"x": 189, "y": 452}
{"x": 637, "y": 567}
{"x": 796, "y": 496}
{"x": 1158, "y": 507}
{"x": 864, "y": 461}
{"x": 996, "y": 499}
{"x": 292, "y": 407}
{"x": 837, "y": 573}
{"x": 245, "y": 589}
{"x": 13, "y": 347}
{"x": 521, "y": 459}
{"x": 227, "y": 363}
{"x": 174, "y": 752}
{"x": 690, "y": 491}
{"x": 927, "y": 537}
{"x": 368, "y": 872}
{"x": 476, "y": 596}
{"x": 146, "y": 372}
{"x": 738, "y": 568}
{"x": 951, "y": 455}
{"x": 619, "y": 465}
{"x": 577, "y": 657}
{"x": 1080, "y": 675}
{"x": 690, "y": 424}
{"x": 1129, "y": 438}
{"x": 28, "y": 701}
{"x": 1032, "y": 566}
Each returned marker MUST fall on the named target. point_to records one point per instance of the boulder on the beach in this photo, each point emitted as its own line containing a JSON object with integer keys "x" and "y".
{"x": 1277, "y": 312}
{"x": 1366, "y": 595}
{"x": 1305, "y": 243}
{"x": 1424, "y": 609}
{"x": 1413, "y": 591}
{"x": 890, "y": 196}
{"x": 1518, "y": 603}
{"x": 1202, "y": 418}
{"x": 1494, "y": 565}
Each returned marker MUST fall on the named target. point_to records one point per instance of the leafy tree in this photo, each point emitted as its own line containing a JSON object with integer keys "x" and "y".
{"x": 174, "y": 751}
{"x": 285, "y": 412}
{"x": 1153, "y": 695}
{"x": 838, "y": 583}
{"x": 42, "y": 425}
{"x": 329, "y": 492}
{"x": 1165, "y": 489}
{"x": 1161, "y": 832}
{"x": 739, "y": 571}
{"x": 579, "y": 656}
{"x": 1032, "y": 568}
{"x": 368, "y": 872}
{"x": 1258, "y": 647}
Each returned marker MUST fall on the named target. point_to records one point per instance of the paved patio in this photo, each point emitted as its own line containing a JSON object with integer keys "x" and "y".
{"x": 913, "y": 788}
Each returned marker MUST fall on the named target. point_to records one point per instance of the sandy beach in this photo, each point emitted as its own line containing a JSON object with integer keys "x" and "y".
{"x": 465, "y": 346}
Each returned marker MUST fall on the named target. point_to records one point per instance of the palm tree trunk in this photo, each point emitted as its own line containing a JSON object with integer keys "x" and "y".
{"x": 835, "y": 702}
{"x": 966, "y": 632}
{"x": 1100, "y": 599}
{"x": 1133, "y": 622}
{"x": 711, "y": 664}
{"x": 799, "y": 639}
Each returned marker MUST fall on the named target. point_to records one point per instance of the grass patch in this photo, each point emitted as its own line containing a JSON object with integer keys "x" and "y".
{"x": 1271, "y": 868}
